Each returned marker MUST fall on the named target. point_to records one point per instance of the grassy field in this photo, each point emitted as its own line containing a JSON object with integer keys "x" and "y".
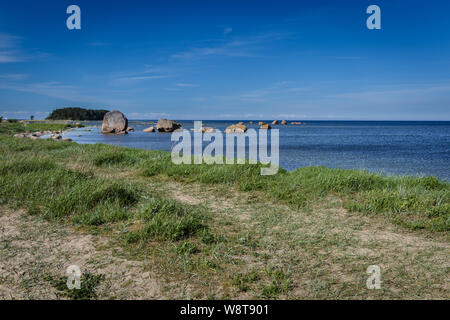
{"x": 220, "y": 231}
{"x": 10, "y": 128}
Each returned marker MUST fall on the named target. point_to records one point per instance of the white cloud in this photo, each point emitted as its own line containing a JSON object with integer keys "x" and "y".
{"x": 187, "y": 85}
{"x": 139, "y": 78}
{"x": 149, "y": 73}
{"x": 11, "y": 50}
{"x": 244, "y": 47}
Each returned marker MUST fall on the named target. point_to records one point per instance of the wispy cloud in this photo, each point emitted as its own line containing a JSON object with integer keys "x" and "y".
{"x": 148, "y": 73}
{"x": 13, "y": 76}
{"x": 137, "y": 78}
{"x": 10, "y": 49}
{"x": 67, "y": 92}
{"x": 237, "y": 47}
{"x": 187, "y": 85}
{"x": 260, "y": 95}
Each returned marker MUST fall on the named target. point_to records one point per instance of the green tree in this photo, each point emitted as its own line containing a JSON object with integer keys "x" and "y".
{"x": 77, "y": 114}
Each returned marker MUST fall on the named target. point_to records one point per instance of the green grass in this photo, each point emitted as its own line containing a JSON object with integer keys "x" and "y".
{"x": 244, "y": 281}
{"x": 166, "y": 219}
{"x": 280, "y": 283}
{"x": 11, "y": 128}
{"x": 88, "y": 286}
{"x": 415, "y": 202}
{"x": 55, "y": 192}
{"x": 250, "y": 236}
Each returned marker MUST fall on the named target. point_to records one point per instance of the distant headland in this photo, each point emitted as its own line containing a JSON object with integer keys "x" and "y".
{"x": 77, "y": 114}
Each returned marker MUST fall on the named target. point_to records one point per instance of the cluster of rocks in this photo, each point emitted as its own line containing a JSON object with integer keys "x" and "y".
{"x": 236, "y": 128}
{"x": 116, "y": 122}
{"x": 264, "y": 126}
{"x": 205, "y": 130}
{"x": 164, "y": 125}
{"x": 58, "y": 136}
{"x": 55, "y": 135}
{"x": 32, "y": 135}
{"x": 241, "y": 128}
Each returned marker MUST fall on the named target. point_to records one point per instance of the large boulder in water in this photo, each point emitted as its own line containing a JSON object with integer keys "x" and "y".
{"x": 165, "y": 125}
{"x": 114, "y": 122}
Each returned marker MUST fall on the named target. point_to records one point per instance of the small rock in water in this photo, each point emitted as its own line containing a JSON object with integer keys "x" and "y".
{"x": 236, "y": 128}
{"x": 208, "y": 130}
{"x": 205, "y": 130}
{"x": 165, "y": 125}
{"x": 149, "y": 129}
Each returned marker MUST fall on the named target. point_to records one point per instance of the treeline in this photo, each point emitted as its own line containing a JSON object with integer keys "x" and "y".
{"x": 77, "y": 114}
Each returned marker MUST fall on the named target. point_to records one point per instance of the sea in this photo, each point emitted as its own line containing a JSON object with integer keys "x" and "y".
{"x": 417, "y": 148}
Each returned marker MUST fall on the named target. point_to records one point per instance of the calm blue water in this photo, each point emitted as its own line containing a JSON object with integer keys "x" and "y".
{"x": 390, "y": 147}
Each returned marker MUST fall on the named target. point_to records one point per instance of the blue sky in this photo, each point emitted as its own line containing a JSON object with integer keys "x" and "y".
{"x": 227, "y": 59}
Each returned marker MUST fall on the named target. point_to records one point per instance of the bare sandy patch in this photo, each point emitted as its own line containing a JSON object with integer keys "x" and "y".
{"x": 32, "y": 248}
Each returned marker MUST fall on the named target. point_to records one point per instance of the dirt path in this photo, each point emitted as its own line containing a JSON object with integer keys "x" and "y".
{"x": 31, "y": 249}
{"x": 328, "y": 249}
{"x": 324, "y": 253}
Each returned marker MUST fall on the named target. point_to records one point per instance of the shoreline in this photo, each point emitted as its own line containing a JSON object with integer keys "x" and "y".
{"x": 89, "y": 127}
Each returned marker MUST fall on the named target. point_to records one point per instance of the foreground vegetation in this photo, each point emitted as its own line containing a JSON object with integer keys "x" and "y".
{"x": 10, "y": 128}
{"x": 250, "y": 235}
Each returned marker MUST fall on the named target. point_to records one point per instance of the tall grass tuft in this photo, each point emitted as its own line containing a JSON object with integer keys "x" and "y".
{"x": 169, "y": 220}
